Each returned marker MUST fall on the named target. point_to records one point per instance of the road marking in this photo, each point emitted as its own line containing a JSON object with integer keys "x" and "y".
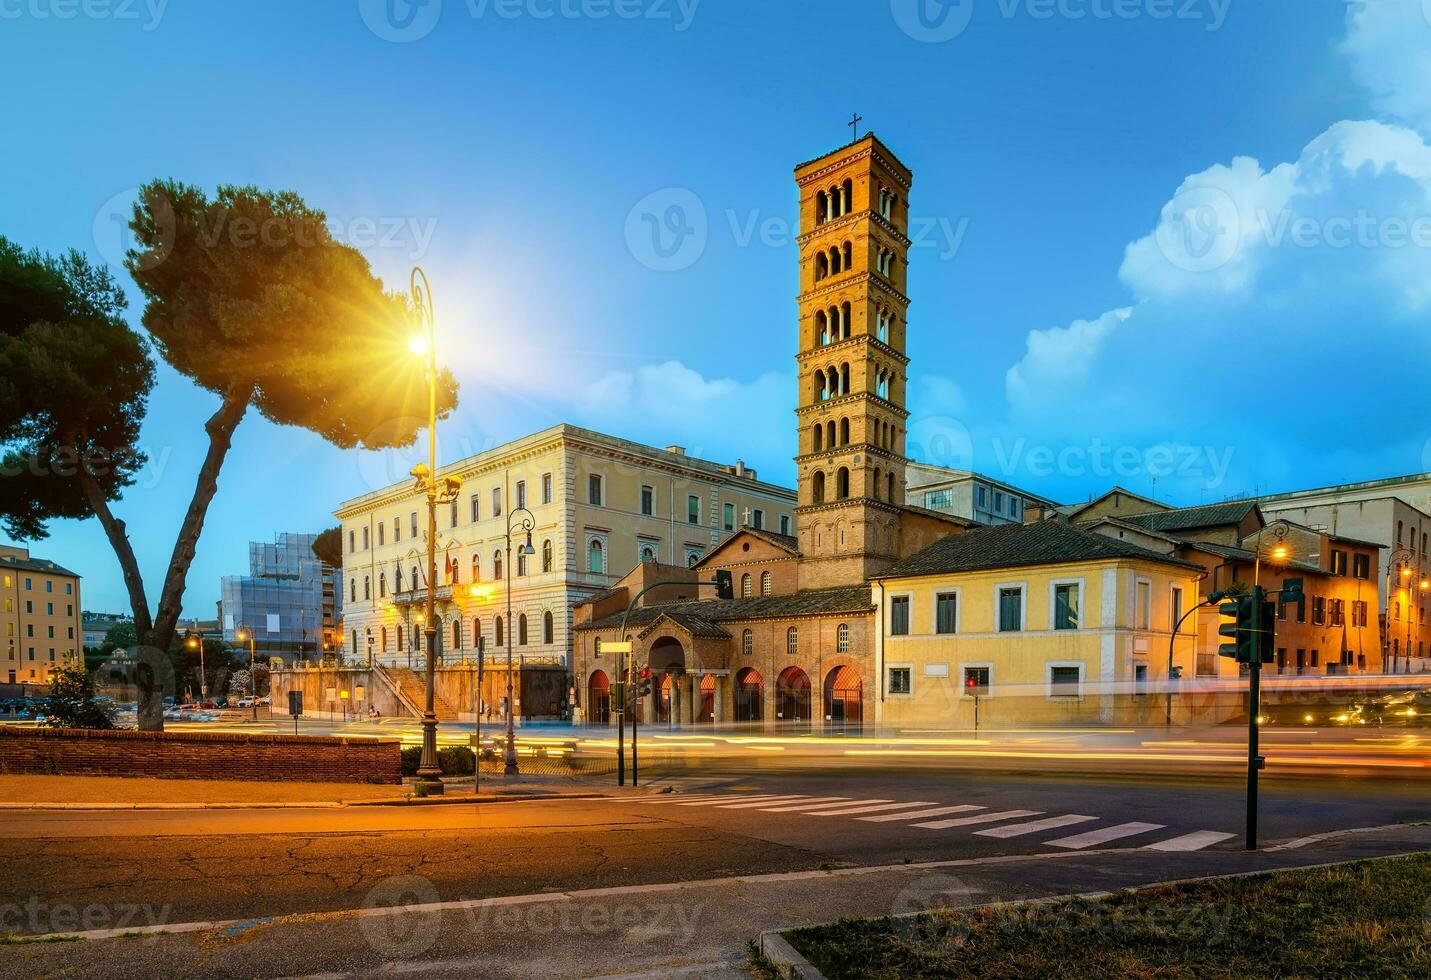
{"x": 978, "y": 818}
{"x": 679, "y": 798}
{"x": 938, "y": 811}
{"x": 817, "y": 807}
{"x": 732, "y": 799}
{"x": 1189, "y": 842}
{"x": 744, "y": 806}
{"x": 1080, "y": 841}
{"x": 807, "y": 801}
{"x": 852, "y": 810}
{"x": 1034, "y": 826}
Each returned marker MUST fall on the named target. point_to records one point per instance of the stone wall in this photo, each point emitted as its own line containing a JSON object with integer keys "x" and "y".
{"x": 198, "y": 755}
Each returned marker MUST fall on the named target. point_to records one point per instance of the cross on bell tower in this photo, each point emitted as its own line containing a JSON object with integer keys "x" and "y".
{"x": 854, "y": 251}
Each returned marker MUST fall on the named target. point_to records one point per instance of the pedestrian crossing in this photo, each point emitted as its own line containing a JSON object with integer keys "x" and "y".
{"x": 976, "y": 819}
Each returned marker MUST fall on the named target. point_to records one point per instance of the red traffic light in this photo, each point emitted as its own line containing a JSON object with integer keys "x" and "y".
{"x": 971, "y": 683}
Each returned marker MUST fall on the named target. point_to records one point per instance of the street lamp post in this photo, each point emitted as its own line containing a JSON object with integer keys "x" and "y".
{"x": 252, "y": 678}
{"x": 1402, "y": 558}
{"x": 527, "y": 523}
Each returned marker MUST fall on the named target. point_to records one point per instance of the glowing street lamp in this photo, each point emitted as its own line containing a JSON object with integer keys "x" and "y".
{"x": 245, "y": 634}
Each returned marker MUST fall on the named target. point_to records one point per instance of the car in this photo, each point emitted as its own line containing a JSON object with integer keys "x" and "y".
{"x": 1400, "y": 708}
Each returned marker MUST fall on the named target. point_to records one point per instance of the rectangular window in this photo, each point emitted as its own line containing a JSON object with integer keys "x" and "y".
{"x": 899, "y": 616}
{"x": 1339, "y": 563}
{"x": 757, "y": 519}
{"x": 452, "y": 513}
{"x": 412, "y": 524}
{"x": 1319, "y": 610}
{"x": 1140, "y": 680}
{"x": 1175, "y": 614}
{"x": 352, "y": 548}
{"x": 981, "y": 497}
{"x": 1359, "y": 607}
{"x": 899, "y": 680}
{"x": 946, "y": 612}
{"x": 593, "y": 490}
{"x": 1063, "y": 682}
{"x": 1011, "y": 610}
{"x": 1361, "y": 566}
{"x": 693, "y": 509}
{"x": 521, "y": 493}
{"x": 998, "y": 502}
{"x": 382, "y": 534}
{"x": 496, "y": 501}
{"x": 976, "y": 681}
{"x": 365, "y": 539}
{"x": 1145, "y": 605}
{"x": 648, "y": 501}
{"x": 546, "y": 488}
{"x": 476, "y": 508}
{"x": 69, "y": 588}
{"x": 1065, "y": 607}
{"x": 1338, "y": 609}
{"x": 939, "y": 499}
{"x": 727, "y": 516}
{"x": 785, "y": 524}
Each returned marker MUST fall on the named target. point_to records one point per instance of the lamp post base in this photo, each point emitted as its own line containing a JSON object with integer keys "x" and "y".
{"x": 429, "y": 774}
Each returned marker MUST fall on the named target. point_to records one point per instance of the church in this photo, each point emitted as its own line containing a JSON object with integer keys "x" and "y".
{"x": 794, "y": 648}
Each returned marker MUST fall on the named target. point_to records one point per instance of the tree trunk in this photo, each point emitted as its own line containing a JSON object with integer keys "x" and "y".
{"x": 118, "y": 535}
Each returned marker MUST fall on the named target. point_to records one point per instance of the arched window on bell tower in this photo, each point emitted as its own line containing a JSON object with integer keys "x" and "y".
{"x": 844, "y": 431}
{"x": 842, "y": 484}
{"x": 822, "y": 328}
{"x": 822, "y": 266}
{"x": 817, "y": 487}
{"x": 819, "y": 433}
{"x": 830, "y": 433}
{"x": 845, "y": 318}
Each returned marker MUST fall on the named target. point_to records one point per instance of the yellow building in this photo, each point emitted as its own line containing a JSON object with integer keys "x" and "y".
{"x": 1030, "y": 624}
{"x": 40, "y": 618}
{"x": 598, "y": 506}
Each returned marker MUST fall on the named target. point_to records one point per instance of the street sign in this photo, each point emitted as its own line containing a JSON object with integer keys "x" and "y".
{"x": 295, "y": 703}
{"x": 616, "y": 646}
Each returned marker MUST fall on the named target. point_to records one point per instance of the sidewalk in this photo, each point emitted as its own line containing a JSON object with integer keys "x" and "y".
{"x": 23, "y": 792}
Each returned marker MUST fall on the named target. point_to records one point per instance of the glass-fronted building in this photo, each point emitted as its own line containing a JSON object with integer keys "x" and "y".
{"x": 288, "y": 602}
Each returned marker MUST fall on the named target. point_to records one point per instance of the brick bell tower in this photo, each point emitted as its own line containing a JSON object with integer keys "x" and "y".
{"x": 854, "y": 249}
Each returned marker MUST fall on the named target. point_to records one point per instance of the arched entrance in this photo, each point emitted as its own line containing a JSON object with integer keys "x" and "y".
{"x": 749, "y": 694}
{"x": 844, "y": 699}
{"x": 667, "y": 660}
{"x": 792, "y": 698}
{"x": 706, "y": 713}
{"x": 598, "y": 698}
{"x": 663, "y": 699}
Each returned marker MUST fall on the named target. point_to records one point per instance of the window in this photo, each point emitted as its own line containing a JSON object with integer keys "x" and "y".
{"x": 548, "y": 627}
{"x": 1145, "y": 605}
{"x": 648, "y": 554}
{"x": 475, "y": 503}
{"x": 1065, "y": 606}
{"x": 593, "y": 490}
{"x": 382, "y": 534}
{"x": 946, "y": 612}
{"x": 1319, "y": 610}
{"x": 499, "y": 628}
{"x": 757, "y": 519}
{"x": 352, "y": 547}
{"x": 521, "y": 493}
{"x": 1064, "y": 681}
{"x": 1011, "y": 609}
{"x": 547, "y": 555}
{"x": 745, "y": 590}
{"x": 981, "y": 497}
{"x": 976, "y": 682}
{"x": 546, "y": 488}
{"x": 397, "y": 529}
{"x": 496, "y": 501}
{"x": 452, "y": 513}
{"x": 1359, "y": 607}
{"x": 728, "y": 516}
{"x": 939, "y": 499}
{"x": 476, "y": 568}
{"x": 693, "y": 509}
{"x": 747, "y": 643}
{"x": 785, "y": 524}
{"x": 998, "y": 502}
{"x": 521, "y": 562}
{"x": 1338, "y": 608}
{"x": 596, "y": 556}
{"x": 457, "y": 634}
{"x": 648, "y": 501}
{"x": 765, "y": 583}
{"x": 842, "y": 638}
{"x": 1175, "y": 613}
{"x": 353, "y": 590}
{"x": 522, "y": 629}
{"x": 900, "y": 680}
{"x": 1140, "y": 680}
{"x": 899, "y": 615}
{"x": 412, "y": 523}
{"x": 497, "y": 564}
{"x": 1339, "y": 563}
{"x": 792, "y": 641}
{"x": 1361, "y": 566}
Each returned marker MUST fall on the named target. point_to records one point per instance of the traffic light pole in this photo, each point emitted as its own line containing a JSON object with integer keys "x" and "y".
{"x": 1254, "y": 709}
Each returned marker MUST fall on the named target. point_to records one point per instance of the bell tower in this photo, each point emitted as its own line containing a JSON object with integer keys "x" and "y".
{"x": 854, "y": 251}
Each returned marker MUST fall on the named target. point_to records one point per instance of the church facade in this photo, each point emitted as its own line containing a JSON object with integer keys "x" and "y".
{"x": 795, "y": 648}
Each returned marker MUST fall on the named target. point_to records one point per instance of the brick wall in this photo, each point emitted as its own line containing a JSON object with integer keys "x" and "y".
{"x": 198, "y": 755}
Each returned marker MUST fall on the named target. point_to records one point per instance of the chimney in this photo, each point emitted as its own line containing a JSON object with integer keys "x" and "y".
{"x": 740, "y": 467}
{"x": 676, "y": 450}
{"x": 1034, "y": 513}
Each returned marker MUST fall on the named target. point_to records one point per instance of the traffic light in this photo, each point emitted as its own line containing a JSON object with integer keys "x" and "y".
{"x": 643, "y": 684}
{"x": 725, "y": 585}
{"x": 1239, "y": 631}
{"x": 618, "y": 697}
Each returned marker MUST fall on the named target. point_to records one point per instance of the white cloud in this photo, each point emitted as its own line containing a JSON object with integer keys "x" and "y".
{"x": 1060, "y": 358}
{"x": 1387, "y": 43}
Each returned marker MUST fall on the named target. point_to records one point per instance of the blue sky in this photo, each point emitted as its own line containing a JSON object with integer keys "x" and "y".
{"x": 1182, "y": 240}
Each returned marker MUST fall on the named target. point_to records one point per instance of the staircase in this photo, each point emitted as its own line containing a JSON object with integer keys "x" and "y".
{"x": 411, "y": 691}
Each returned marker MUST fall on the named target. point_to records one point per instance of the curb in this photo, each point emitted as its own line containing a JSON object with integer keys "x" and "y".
{"x": 775, "y": 948}
{"x": 313, "y": 805}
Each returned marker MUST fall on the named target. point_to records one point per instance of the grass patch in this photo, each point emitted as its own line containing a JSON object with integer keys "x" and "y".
{"x": 1370, "y": 919}
{"x": 14, "y": 939}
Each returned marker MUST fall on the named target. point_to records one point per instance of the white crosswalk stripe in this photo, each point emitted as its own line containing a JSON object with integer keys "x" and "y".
{"x": 747, "y": 805}
{"x": 864, "y": 808}
{"x": 1034, "y": 826}
{"x": 814, "y": 808}
{"x": 806, "y": 802}
{"x": 1190, "y": 842}
{"x": 1102, "y": 836}
{"x": 732, "y": 799}
{"x": 937, "y": 811}
{"x": 978, "y": 819}
{"x": 684, "y": 798}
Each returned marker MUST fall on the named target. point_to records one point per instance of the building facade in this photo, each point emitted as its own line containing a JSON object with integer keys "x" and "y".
{"x": 283, "y": 603}
{"x": 41, "y": 616}
{"x": 973, "y": 496}
{"x": 598, "y": 506}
